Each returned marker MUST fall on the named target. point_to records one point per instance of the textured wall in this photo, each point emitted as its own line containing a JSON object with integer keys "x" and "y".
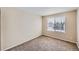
{"x": 70, "y": 34}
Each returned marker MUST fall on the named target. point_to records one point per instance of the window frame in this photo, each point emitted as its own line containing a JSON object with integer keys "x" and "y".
{"x": 52, "y": 18}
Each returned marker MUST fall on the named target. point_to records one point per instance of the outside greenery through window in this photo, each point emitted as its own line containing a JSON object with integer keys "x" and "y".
{"x": 56, "y": 23}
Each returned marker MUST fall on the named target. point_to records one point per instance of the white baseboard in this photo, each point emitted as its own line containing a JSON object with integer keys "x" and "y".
{"x": 18, "y": 44}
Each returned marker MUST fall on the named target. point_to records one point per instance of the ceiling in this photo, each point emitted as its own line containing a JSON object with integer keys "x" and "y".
{"x": 43, "y": 11}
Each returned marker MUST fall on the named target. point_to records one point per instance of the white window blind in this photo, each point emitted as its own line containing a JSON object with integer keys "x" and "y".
{"x": 56, "y": 23}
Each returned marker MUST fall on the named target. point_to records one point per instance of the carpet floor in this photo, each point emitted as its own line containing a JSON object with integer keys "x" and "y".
{"x": 44, "y": 43}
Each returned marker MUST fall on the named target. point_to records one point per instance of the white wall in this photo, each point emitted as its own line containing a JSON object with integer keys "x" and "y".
{"x": 0, "y": 29}
{"x": 18, "y": 27}
{"x": 78, "y": 27}
{"x": 70, "y": 27}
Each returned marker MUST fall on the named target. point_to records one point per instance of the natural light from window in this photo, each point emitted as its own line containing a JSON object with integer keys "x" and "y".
{"x": 56, "y": 23}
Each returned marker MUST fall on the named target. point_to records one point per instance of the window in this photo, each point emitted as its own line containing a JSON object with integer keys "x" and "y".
{"x": 56, "y": 23}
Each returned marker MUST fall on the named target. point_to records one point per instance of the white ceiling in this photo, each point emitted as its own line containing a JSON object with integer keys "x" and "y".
{"x": 42, "y": 11}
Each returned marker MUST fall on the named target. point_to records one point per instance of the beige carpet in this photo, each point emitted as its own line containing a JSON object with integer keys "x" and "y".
{"x": 44, "y": 43}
